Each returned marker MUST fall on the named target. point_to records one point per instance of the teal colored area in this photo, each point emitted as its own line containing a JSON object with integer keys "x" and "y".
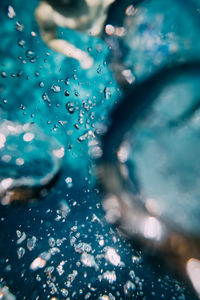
{"x": 39, "y": 85}
{"x": 165, "y": 153}
{"x": 161, "y": 32}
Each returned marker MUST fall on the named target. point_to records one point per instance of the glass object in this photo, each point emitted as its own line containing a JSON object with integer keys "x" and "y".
{"x": 154, "y": 33}
{"x": 30, "y": 162}
{"x": 150, "y": 167}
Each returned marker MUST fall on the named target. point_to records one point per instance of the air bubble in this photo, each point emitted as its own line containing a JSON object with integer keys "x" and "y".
{"x": 107, "y": 93}
{"x": 55, "y": 88}
{"x": 41, "y": 84}
{"x": 66, "y": 93}
{"x": 3, "y": 74}
{"x": 11, "y": 12}
{"x": 20, "y": 252}
{"x": 19, "y": 27}
{"x": 30, "y": 54}
{"x": 70, "y": 107}
{"x": 31, "y": 243}
{"x": 21, "y": 43}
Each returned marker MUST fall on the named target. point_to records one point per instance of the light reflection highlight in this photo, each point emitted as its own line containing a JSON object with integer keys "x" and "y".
{"x": 112, "y": 207}
{"x": 193, "y": 271}
{"x": 59, "y": 152}
{"x": 152, "y": 228}
{"x": 6, "y": 158}
{"x": 28, "y": 137}
{"x": 38, "y": 263}
{"x": 2, "y": 140}
{"x": 6, "y": 183}
{"x": 112, "y": 257}
{"x": 123, "y": 152}
{"x": 19, "y": 161}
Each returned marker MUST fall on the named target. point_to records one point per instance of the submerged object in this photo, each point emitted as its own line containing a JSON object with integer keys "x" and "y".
{"x": 149, "y": 168}
{"x": 144, "y": 36}
{"x": 30, "y": 162}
